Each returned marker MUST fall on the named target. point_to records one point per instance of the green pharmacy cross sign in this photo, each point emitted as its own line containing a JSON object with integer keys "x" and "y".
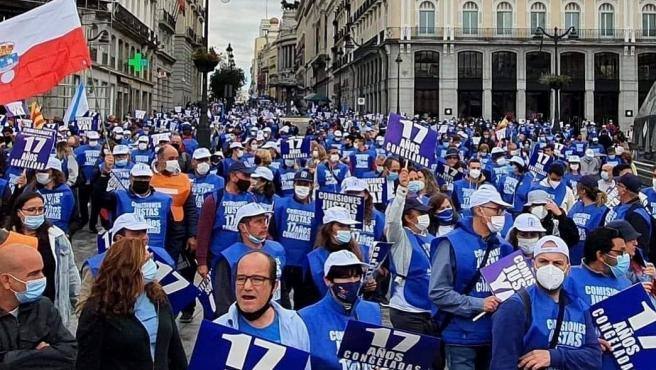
{"x": 138, "y": 63}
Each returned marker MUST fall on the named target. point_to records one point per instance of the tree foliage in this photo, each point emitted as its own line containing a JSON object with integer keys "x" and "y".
{"x": 226, "y": 76}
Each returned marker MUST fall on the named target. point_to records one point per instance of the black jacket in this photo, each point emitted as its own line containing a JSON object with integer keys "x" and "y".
{"x": 37, "y": 322}
{"x": 121, "y": 342}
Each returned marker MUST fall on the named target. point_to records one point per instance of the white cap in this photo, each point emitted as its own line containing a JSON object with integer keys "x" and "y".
{"x": 484, "y": 195}
{"x": 340, "y": 215}
{"x": 259, "y": 136}
{"x": 250, "y": 210}
{"x": 121, "y": 149}
{"x": 201, "y": 153}
{"x": 236, "y": 144}
{"x": 497, "y": 150}
{"x": 341, "y": 258}
{"x": 337, "y": 133}
{"x": 589, "y": 153}
{"x": 93, "y": 135}
{"x": 574, "y": 159}
{"x": 262, "y": 172}
{"x": 528, "y": 222}
{"x": 518, "y": 160}
{"x": 536, "y": 196}
{"x": 354, "y": 184}
{"x": 267, "y": 129}
{"x": 54, "y": 163}
{"x": 62, "y": 128}
{"x": 129, "y": 221}
{"x": 143, "y": 139}
{"x": 269, "y": 145}
{"x": 141, "y": 169}
{"x": 117, "y": 130}
{"x": 551, "y": 244}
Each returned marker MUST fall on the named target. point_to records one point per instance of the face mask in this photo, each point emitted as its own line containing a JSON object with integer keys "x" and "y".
{"x": 302, "y": 192}
{"x": 254, "y": 239}
{"x": 143, "y": 146}
{"x": 620, "y": 269}
{"x": 93, "y": 143}
{"x": 315, "y": 154}
{"x": 393, "y": 176}
{"x": 475, "y": 173}
{"x": 118, "y": 137}
{"x": 527, "y": 245}
{"x": 550, "y": 277}
{"x": 445, "y": 215}
{"x": 574, "y": 167}
{"x": 338, "y": 138}
{"x": 346, "y": 292}
{"x": 33, "y": 290}
{"x": 140, "y": 187}
{"x": 539, "y": 212}
{"x": 502, "y": 161}
{"x": 423, "y": 221}
{"x": 605, "y": 176}
{"x": 496, "y": 224}
{"x": 122, "y": 163}
{"x": 243, "y": 185}
{"x": 334, "y": 158}
{"x": 239, "y": 153}
{"x": 203, "y": 168}
{"x": 149, "y": 271}
{"x": 379, "y": 169}
{"x": 343, "y": 236}
{"x": 43, "y": 178}
{"x": 289, "y": 162}
{"x": 172, "y": 166}
{"x": 554, "y": 184}
{"x": 611, "y": 156}
{"x": 415, "y": 186}
{"x": 34, "y": 222}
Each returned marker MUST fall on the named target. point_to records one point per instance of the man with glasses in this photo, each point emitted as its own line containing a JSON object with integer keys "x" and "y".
{"x": 456, "y": 286}
{"x": 252, "y": 221}
{"x": 254, "y": 311}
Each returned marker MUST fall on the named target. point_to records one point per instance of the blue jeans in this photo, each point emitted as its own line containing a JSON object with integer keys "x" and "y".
{"x": 467, "y": 358}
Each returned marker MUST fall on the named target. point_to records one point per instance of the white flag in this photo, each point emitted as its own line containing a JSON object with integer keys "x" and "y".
{"x": 79, "y": 105}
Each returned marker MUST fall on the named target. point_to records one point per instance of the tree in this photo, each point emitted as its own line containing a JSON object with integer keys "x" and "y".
{"x": 226, "y": 76}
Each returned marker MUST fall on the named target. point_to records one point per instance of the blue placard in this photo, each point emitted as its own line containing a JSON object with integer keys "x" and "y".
{"x": 32, "y": 148}
{"x": 353, "y": 203}
{"x": 411, "y": 141}
{"x": 377, "y": 255}
{"x": 447, "y": 174}
{"x": 219, "y": 347}
{"x": 509, "y": 275}
{"x": 387, "y": 348}
{"x": 180, "y": 291}
{"x": 539, "y": 163}
{"x": 295, "y": 147}
{"x": 377, "y": 187}
{"x": 627, "y": 321}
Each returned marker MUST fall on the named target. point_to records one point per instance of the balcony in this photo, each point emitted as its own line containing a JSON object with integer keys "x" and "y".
{"x": 167, "y": 20}
{"x": 517, "y": 34}
{"x": 191, "y": 35}
{"x": 130, "y": 23}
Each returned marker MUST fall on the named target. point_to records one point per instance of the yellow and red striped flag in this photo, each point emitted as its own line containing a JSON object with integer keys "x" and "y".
{"x": 36, "y": 116}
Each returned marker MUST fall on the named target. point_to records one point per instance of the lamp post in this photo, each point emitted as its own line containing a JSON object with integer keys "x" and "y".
{"x": 398, "y": 83}
{"x": 555, "y": 36}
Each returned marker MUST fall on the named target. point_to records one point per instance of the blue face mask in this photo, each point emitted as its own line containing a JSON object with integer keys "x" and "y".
{"x": 415, "y": 186}
{"x": 393, "y": 176}
{"x": 445, "y": 215}
{"x": 34, "y": 222}
{"x": 622, "y": 267}
{"x": 149, "y": 271}
{"x": 343, "y": 236}
{"x": 254, "y": 239}
{"x": 33, "y": 289}
{"x": 122, "y": 163}
{"x": 346, "y": 292}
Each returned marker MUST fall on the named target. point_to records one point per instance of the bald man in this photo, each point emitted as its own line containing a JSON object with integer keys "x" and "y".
{"x": 33, "y": 336}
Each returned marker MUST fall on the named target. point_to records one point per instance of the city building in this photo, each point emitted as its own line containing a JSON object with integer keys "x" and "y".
{"x": 189, "y": 31}
{"x": 479, "y": 57}
{"x": 283, "y": 78}
{"x": 266, "y": 57}
{"x": 257, "y": 87}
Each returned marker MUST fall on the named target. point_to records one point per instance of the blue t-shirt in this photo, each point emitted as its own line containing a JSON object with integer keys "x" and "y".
{"x": 270, "y": 333}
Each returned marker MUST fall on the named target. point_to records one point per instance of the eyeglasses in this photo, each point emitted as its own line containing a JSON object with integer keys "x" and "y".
{"x": 34, "y": 210}
{"x": 497, "y": 211}
{"x": 256, "y": 280}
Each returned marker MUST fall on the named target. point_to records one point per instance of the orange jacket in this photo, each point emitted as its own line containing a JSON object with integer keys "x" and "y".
{"x": 11, "y": 237}
{"x": 178, "y": 187}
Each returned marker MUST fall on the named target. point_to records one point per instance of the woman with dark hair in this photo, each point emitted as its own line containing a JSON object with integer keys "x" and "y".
{"x": 588, "y": 213}
{"x": 62, "y": 277}
{"x": 263, "y": 188}
{"x": 444, "y": 218}
{"x": 127, "y": 322}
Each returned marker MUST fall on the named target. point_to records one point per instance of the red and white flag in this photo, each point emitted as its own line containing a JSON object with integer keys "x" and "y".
{"x": 39, "y": 48}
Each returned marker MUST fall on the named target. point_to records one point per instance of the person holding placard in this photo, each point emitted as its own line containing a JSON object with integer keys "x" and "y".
{"x": 327, "y": 319}
{"x": 639, "y": 270}
{"x": 456, "y": 286}
{"x": 374, "y": 220}
{"x": 545, "y": 325}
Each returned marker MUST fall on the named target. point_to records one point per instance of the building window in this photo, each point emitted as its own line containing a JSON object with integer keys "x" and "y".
{"x": 470, "y": 18}
{"x": 649, "y": 20}
{"x": 607, "y": 66}
{"x": 426, "y": 18}
{"x": 504, "y": 19}
{"x": 606, "y": 17}
{"x": 538, "y": 16}
{"x": 573, "y": 16}
{"x": 470, "y": 65}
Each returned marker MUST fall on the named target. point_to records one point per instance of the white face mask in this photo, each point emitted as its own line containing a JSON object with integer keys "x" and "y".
{"x": 302, "y": 192}
{"x": 423, "y": 221}
{"x": 315, "y": 154}
{"x": 550, "y": 277}
{"x": 93, "y": 143}
{"x": 203, "y": 168}
{"x": 43, "y": 178}
{"x": 334, "y": 157}
{"x": 554, "y": 184}
{"x": 539, "y": 212}
{"x": 605, "y": 176}
{"x": 496, "y": 224}
{"x": 474, "y": 174}
{"x": 527, "y": 245}
{"x": 143, "y": 146}
{"x": 574, "y": 167}
{"x": 173, "y": 166}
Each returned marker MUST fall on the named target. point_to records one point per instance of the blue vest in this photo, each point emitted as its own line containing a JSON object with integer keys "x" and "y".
{"x": 586, "y": 218}
{"x": 557, "y": 194}
{"x": 64, "y": 163}
{"x": 87, "y": 158}
{"x": 463, "y": 189}
{"x": 3, "y": 186}
{"x": 154, "y": 209}
{"x": 12, "y": 174}
{"x": 287, "y": 181}
{"x": 296, "y": 228}
{"x": 316, "y": 260}
{"x": 122, "y": 174}
{"x": 190, "y": 145}
{"x": 331, "y": 180}
{"x": 372, "y": 232}
{"x": 361, "y": 162}
{"x": 468, "y": 250}
{"x": 571, "y": 180}
{"x": 507, "y": 186}
{"x": 203, "y": 186}
{"x": 650, "y": 193}
{"x": 233, "y": 253}
{"x": 224, "y": 233}
{"x": 160, "y": 255}
{"x": 326, "y": 322}
{"x": 415, "y": 284}
{"x": 619, "y": 213}
{"x": 142, "y": 156}
{"x": 59, "y": 203}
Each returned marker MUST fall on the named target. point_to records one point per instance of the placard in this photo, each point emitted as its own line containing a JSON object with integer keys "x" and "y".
{"x": 627, "y": 321}
{"x": 509, "y": 275}
{"x": 177, "y": 109}
{"x": 139, "y": 114}
{"x": 156, "y": 138}
{"x": 377, "y": 255}
{"x": 32, "y": 148}
{"x": 84, "y": 124}
{"x": 382, "y": 347}
{"x": 16, "y": 108}
{"x": 539, "y": 163}
{"x": 377, "y": 189}
{"x": 178, "y": 289}
{"x": 295, "y": 147}
{"x": 447, "y": 174}
{"x": 219, "y": 347}
{"x": 354, "y": 203}
{"x": 411, "y": 141}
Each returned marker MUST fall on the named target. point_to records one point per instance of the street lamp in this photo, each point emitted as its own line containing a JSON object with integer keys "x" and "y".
{"x": 555, "y": 36}
{"x": 398, "y": 83}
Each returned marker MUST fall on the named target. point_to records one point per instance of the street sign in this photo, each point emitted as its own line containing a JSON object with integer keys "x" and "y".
{"x": 361, "y": 101}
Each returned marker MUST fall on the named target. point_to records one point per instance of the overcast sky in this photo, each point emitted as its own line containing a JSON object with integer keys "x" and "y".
{"x": 238, "y": 22}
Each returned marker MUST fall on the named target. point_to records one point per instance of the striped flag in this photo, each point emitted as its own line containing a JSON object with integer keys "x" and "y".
{"x": 79, "y": 104}
{"x": 36, "y": 116}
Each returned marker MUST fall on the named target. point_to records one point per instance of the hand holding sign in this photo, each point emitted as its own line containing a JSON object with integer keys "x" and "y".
{"x": 404, "y": 178}
{"x": 32, "y": 148}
